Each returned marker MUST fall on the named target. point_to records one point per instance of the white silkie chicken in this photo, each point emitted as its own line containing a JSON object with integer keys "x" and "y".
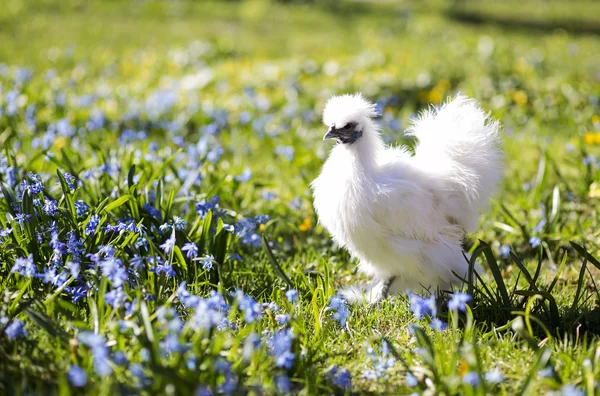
{"x": 404, "y": 216}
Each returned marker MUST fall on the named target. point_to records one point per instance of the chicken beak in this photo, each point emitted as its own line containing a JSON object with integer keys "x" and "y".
{"x": 330, "y": 134}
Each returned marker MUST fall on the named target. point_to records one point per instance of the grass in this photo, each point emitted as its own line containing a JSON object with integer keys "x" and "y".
{"x": 155, "y": 107}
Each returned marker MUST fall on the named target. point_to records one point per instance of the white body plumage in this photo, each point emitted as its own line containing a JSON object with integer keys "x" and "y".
{"x": 404, "y": 216}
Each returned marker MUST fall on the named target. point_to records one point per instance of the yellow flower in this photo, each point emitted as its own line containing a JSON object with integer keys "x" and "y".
{"x": 597, "y": 137}
{"x": 520, "y": 98}
{"x": 435, "y": 96}
{"x": 306, "y": 225}
{"x": 59, "y": 142}
{"x": 595, "y": 119}
{"x": 594, "y": 190}
{"x": 588, "y": 138}
{"x": 463, "y": 367}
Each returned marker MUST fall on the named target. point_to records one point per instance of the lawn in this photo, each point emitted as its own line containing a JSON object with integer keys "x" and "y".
{"x": 157, "y": 234}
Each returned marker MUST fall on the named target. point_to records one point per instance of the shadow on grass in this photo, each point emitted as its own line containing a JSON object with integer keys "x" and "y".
{"x": 571, "y": 25}
{"x": 498, "y": 303}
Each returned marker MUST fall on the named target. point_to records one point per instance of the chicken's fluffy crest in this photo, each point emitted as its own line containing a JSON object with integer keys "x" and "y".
{"x": 344, "y": 108}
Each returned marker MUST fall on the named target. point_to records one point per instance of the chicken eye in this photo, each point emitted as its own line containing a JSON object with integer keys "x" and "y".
{"x": 347, "y": 126}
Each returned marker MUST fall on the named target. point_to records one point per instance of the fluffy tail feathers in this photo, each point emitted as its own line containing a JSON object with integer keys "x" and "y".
{"x": 460, "y": 144}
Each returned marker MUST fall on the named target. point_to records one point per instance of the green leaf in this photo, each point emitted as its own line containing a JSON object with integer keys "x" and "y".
{"x": 491, "y": 260}
{"x": 130, "y": 176}
{"x": 46, "y": 323}
{"x": 274, "y": 262}
{"x": 582, "y": 251}
{"x": 118, "y": 202}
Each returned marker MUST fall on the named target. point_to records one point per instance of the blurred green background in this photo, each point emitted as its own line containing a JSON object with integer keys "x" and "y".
{"x": 30, "y": 29}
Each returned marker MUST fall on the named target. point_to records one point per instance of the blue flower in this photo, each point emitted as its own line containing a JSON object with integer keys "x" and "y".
{"x": 251, "y": 309}
{"x": 340, "y": 377}
{"x": 97, "y": 344}
{"x": 283, "y": 384}
{"x": 571, "y": 390}
{"x": 340, "y": 307}
{"x": 166, "y": 269}
{"x": 539, "y": 226}
{"x": 50, "y": 207}
{"x": 25, "y": 266}
{"x": 285, "y": 151}
{"x": 167, "y": 247}
{"x": 22, "y": 218}
{"x": 5, "y": 232}
{"x": 292, "y": 295}
{"x": 113, "y": 270}
{"x": 411, "y": 380}
{"x": 202, "y": 207}
{"x": 75, "y": 246}
{"x": 421, "y": 306}
{"x": 505, "y": 250}
{"x": 115, "y": 298}
{"x": 215, "y": 153}
{"x": 382, "y": 362}
{"x": 137, "y": 371}
{"x": 178, "y": 223}
{"x": 282, "y": 319}
{"x": 191, "y": 250}
{"x": 268, "y": 195}
{"x": 73, "y": 267}
{"x": 281, "y": 348}
{"x": 534, "y": 242}
{"x": 207, "y": 262}
{"x": 16, "y": 329}
{"x": 459, "y": 301}
{"x": 494, "y": 377}
{"x": 119, "y": 358}
{"x": 77, "y": 376}
{"x": 471, "y": 379}
{"x": 81, "y": 208}
{"x": 295, "y": 203}
{"x": 171, "y": 344}
{"x": 92, "y": 225}
{"x": 153, "y": 212}
{"x": 438, "y": 325}
{"x": 245, "y": 176}
{"x": 210, "y": 313}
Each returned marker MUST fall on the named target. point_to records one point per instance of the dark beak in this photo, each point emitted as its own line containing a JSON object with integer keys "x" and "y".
{"x": 331, "y": 134}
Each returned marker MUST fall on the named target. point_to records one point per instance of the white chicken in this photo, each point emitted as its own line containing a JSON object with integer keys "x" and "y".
{"x": 404, "y": 216}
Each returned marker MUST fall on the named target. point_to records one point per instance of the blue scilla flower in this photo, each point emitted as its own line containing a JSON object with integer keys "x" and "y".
{"x": 50, "y": 207}
{"x": 251, "y": 309}
{"x": 202, "y": 207}
{"x": 169, "y": 244}
{"x": 207, "y": 262}
{"x": 245, "y": 176}
{"x": 421, "y": 306}
{"x": 81, "y": 208}
{"x": 15, "y": 329}
{"x": 282, "y": 319}
{"x": 191, "y": 250}
{"x": 25, "y": 266}
{"x": 340, "y": 377}
{"x": 281, "y": 348}
{"x": 115, "y": 298}
{"x": 100, "y": 352}
{"x": 285, "y": 151}
{"x": 114, "y": 271}
{"x": 76, "y": 376}
{"x": 292, "y": 295}
{"x": 535, "y": 242}
{"x": 459, "y": 301}
{"x": 471, "y": 379}
{"x": 92, "y": 225}
{"x": 340, "y": 308}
